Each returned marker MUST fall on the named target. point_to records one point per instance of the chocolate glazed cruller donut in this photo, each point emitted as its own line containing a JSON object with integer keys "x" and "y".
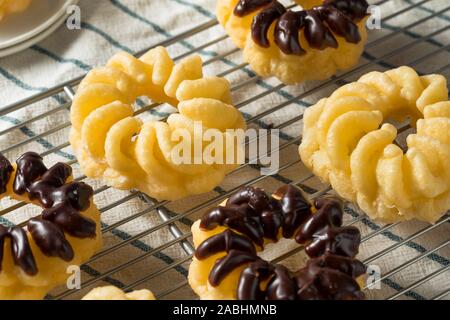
{"x": 113, "y": 145}
{"x": 227, "y": 239}
{"x": 348, "y": 142}
{"x": 34, "y": 259}
{"x": 311, "y": 44}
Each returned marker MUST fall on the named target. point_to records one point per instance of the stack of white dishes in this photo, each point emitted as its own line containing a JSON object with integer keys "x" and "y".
{"x": 19, "y": 31}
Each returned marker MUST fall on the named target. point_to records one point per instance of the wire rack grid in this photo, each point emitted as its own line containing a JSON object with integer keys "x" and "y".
{"x": 158, "y": 219}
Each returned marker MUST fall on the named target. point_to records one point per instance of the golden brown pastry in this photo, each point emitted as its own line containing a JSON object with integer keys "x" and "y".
{"x": 34, "y": 258}
{"x": 349, "y": 142}
{"x": 226, "y": 264}
{"x": 113, "y": 293}
{"x": 294, "y": 46}
{"x": 113, "y": 145}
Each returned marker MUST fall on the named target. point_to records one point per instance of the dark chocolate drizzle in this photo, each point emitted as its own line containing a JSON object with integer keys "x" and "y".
{"x": 62, "y": 204}
{"x": 20, "y": 248}
{"x": 255, "y": 217}
{"x": 251, "y": 212}
{"x": 225, "y": 241}
{"x": 330, "y": 277}
{"x": 245, "y": 7}
{"x": 323, "y": 232}
{"x": 281, "y": 286}
{"x": 320, "y": 24}
{"x": 262, "y": 22}
{"x": 225, "y": 265}
{"x": 50, "y": 239}
{"x": 5, "y": 173}
{"x": 251, "y": 277}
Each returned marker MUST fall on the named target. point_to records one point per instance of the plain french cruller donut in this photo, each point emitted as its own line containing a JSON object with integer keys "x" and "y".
{"x": 349, "y": 142}
{"x": 114, "y": 145}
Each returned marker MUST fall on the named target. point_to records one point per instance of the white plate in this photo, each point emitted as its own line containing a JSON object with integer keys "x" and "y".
{"x": 41, "y": 15}
{"x": 26, "y": 44}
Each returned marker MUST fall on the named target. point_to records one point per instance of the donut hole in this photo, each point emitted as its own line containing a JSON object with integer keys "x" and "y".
{"x": 402, "y": 136}
{"x": 145, "y": 109}
{"x": 18, "y": 215}
{"x": 405, "y": 127}
{"x": 292, "y": 254}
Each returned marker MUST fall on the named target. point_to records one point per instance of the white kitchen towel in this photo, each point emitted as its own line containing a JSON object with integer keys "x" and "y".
{"x": 138, "y": 253}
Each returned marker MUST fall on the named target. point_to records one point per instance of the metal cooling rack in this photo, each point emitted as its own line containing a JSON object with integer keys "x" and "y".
{"x": 169, "y": 220}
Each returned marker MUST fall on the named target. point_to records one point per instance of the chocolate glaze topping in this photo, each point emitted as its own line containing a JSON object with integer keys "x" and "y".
{"x": 5, "y": 173}
{"x": 320, "y": 24}
{"x": 249, "y": 283}
{"x": 245, "y": 7}
{"x": 225, "y": 241}
{"x": 281, "y": 286}
{"x": 224, "y": 266}
{"x": 262, "y": 22}
{"x": 324, "y": 278}
{"x": 294, "y": 207}
{"x": 62, "y": 204}
{"x": 20, "y": 248}
{"x": 323, "y": 232}
{"x": 255, "y": 217}
{"x": 50, "y": 239}
{"x": 251, "y": 212}
{"x": 330, "y": 277}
